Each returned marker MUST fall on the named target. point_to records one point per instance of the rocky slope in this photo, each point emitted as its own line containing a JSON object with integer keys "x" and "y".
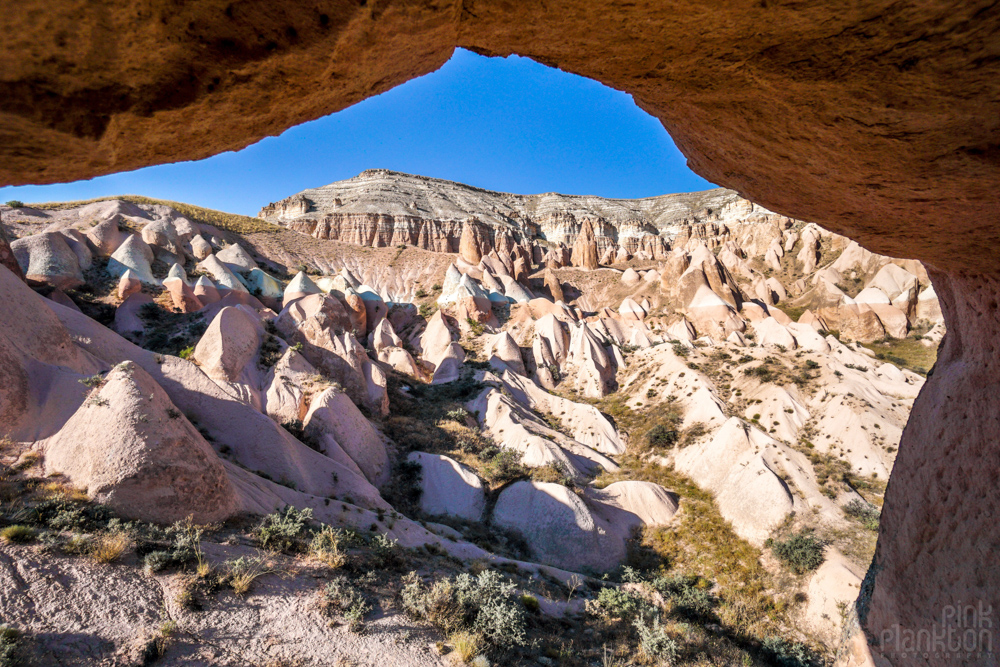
{"x": 566, "y": 410}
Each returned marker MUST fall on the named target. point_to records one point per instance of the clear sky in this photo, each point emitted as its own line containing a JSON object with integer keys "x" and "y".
{"x": 506, "y": 124}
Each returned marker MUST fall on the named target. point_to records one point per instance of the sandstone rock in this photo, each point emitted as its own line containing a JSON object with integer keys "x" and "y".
{"x": 200, "y": 248}
{"x": 650, "y": 503}
{"x": 872, "y": 295}
{"x": 264, "y": 285}
{"x": 47, "y": 259}
{"x": 506, "y": 350}
{"x": 375, "y": 308}
{"x": 893, "y": 319}
{"x": 161, "y": 236}
{"x": 301, "y": 285}
{"x": 134, "y": 455}
{"x": 106, "y": 236}
{"x": 128, "y": 285}
{"x": 928, "y": 306}
{"x": 630, "y": 310}
{"x": 60, "y": 297}
{"x": 182, "y": 295}
{"x": 229, "y": 345}
{"x": 588, "y": 363}
{"x": 334, "y": 422}
{"x": 127, "y": 318}
{"x": 585, "y": 248}
{"x": 449, "y": 365}
{"x": 436, "y": 338}
{"x": 284, "y": 398}
{"x": 771, "y": 333}
{"x": 552, "y": 284}
{"x": 475, "y": 242}
{"x": 236, "y": 258}
{"x": 357, "y": 312}
{"x": 206, "y": 291}
{"x": 834, "y": 584}
{"x": 609, "y": 256}
{"x": 78, "y": 244}
{"x": 557, "y": 525}
{"x": 748, "y": 492}
{"x": 133, "y": 254}
{"x": 221, "y": 274}
{"x": 449, "y": 488}
{"x": 630, "y": 277}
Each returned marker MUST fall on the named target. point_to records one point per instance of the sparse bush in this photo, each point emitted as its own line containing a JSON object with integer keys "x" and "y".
{"x": 283, "y": 529}
{"x": 157, "y": 561}
{"x": 662, "y": 436}
{"x": 617, "y": 603}
{"x": 530, "y": 603}
{"x": 655, "y": 642}
{"x": 503, "y": 466}
{"x": 459, "y": 415}
{"x": 426, "y": 311}
{"x": 680, "y": 350}
{"x": 789, "y": 654}
{"x": 187, "y": 352}
{"x": 689, "y": 595}
{"x": 801, "y": 552}
{"x": 477, "y": 327}
{"x": 385, "y": 551}
{"x": 484, "y": 605}
{"x": 93, "y": 381}
{"x": 9, "y": 638}
{"x": 867, "y": 514}
{"x": 17, "y": 534}
{"x": 420, "y": 293}
{"x": 15, "y": 203}
{"x": 325, "y": 547}
{"x": 345, "y": 598}
{"x": 270, "y": 352}
{"x": 242, "y": 572}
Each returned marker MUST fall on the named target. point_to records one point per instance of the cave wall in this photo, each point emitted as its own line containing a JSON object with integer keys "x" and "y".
{"x": 877, "y": 119}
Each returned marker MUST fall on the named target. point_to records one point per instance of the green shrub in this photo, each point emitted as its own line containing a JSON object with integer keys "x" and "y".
{"x": 503, "y": 466}
{"x": 187, "y": 352}
{"x": 9, "y": 638}
{"x": 477, "y": 327}
{"x": 326, "y": 546}
{"x": 689, "y": 595}
{"x": 662, "y": 436}
{"x": 789, "y": 654}
{"x": 283, "y": 529}
{"x": 484, "y": 604}
{"x": 385, "y": 551}
{"x": 342, "y": 596}
{"x": 530, "y": 603}
{"x": 17, "y": 534}
{"x": 681, "y": 351}
{"x": 619, "y": 603}
{"x": 270, "y": 352}
{"x": 801, "y": 552}
{"x": 655, "y": 642}
{"x": 868, "y": 515}
{"x": 15, "y": 203}
{"x": 157, "y": 561}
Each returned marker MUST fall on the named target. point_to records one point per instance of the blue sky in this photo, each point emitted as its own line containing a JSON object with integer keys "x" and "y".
{"x": 506, "y": 124}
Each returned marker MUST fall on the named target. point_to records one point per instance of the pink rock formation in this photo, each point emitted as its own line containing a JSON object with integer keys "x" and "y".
{"x": 585, "y": 248}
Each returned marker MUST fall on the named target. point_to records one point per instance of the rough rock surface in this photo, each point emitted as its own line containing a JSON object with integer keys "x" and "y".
{"x": 150, "y": 463}
{"x": 449, "y": 487}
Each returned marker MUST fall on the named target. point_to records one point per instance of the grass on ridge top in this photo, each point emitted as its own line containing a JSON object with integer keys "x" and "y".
{"x": 230, "y": 222}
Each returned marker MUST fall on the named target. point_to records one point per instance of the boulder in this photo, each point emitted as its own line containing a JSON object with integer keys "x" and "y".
{"x": 182, "y": 295}
{"x": 263, "y": 284}
{"x": 127, "y": 318}
{"x": 78, "y": 244}
{"x": 135, "y": 452}
{"x": 206, "y": 291}
{"x": 630, "y": 277}
{"x": 106, "y": 236}
{"x": 448, "y": 487}
{"x": 133, "y": 254}
{"x": 284, "y": 399}
{"x": 128, "y": 285}
{"x": 650, "y": 504}
{"x": 200, "y": 248}
{"x": 236, "y": 258}
{"x": 229, "y": 345}
{"x": 771, "y": 333}
{"x": 221, "y": 274}
{"x": 299, "y": 286}
{"x": 48, "y": 259}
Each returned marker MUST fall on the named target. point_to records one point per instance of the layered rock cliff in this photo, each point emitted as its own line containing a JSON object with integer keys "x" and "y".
{"x": 382, "y": 208}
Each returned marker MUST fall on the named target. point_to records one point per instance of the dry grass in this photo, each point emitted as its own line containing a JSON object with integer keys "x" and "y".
{"x": 467, "y": 645}
{"x": 109, "y": 547}
{"x": 231, "y": 222}
{"x": 242, "y": 572}
{"x": 906, "y": 352}
{"x": 17, "y": 534}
